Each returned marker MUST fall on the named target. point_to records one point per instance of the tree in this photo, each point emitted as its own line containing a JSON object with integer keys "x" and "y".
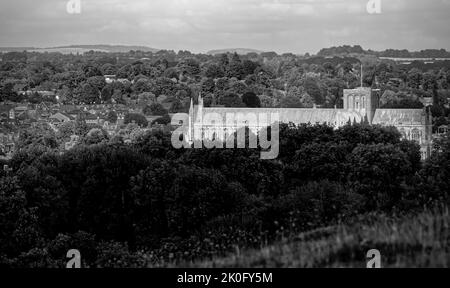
{"x": 65, "y": 130}
{"x": 347, "y": 67}
{"x": 266, "y": 101}
{"x": 145, "y": 99}
{"x": 108, "y": 69}
{"x": 97, "y": 82}
{"x": 329, "y": 68}
{"x": 164, "y": 86}
{"x": 91, "y": 71}
{"x": 429, "y": 81}
{"x": 415, "y": 78}
{"x": 164, "y": 120}
{"x": 320, "y": 161}
{"x": 7, "y": 93}
{"x": 171, "y": 73}
{"x": 142, "y": 85}
{"x": 111, "y": 117}
{"x": 208, "y": 85}
{"x": 189, "y": 66}
{"x": 155, "y": 109}
{"x": 19, "y": 227}
{"x": 107, "y": 93}
{"x": 251, "y": 100}
{"x": 230, "y": 100}
{"x": 96, "y": 179}
{"x": 249, "y": 67}
{"x": 224, "y": 61}
{"x": 436, "y": 172}
{"x": 41, "y": 135}
{"x": 378, "y": 172}
{"x": 222, "y": 84}
{"x": 237, "y": 87}
{"x": 88, "y": 94}
{"x": 81, "y": 128}
{"x": 95, "y": 136}
{"x": 313, "y": 90}
{"x": 367, "y": 135}
{"x": 291, "y": 101}
{"x": 35, "y": 98}
{"x": 139, "y": 119}
{"x": 235, "y": 68}
{"x": 176, "y": 106}
{"x": 214, "y": 71}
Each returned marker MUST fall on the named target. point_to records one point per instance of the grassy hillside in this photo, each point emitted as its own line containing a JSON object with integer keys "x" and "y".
{"x": 418, "y": 241}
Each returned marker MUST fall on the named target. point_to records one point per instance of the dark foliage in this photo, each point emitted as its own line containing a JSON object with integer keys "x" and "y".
{"x": 147, "y": 203}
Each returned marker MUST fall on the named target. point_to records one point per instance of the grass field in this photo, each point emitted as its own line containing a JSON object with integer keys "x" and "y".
{"x": 420, "y": 240}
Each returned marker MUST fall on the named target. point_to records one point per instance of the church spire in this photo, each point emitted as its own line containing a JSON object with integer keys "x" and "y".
{"x": 200, "y": 99}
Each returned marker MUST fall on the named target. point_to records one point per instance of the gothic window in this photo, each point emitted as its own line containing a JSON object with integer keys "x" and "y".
{"x": 363, "y": 104}
{"x": 416, "y": 135}
{"x": 403, "y": 133}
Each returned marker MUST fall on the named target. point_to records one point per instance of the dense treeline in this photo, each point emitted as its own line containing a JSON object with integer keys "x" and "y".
{"x": 156, "y": 82}
{"x": 145, "y": 203}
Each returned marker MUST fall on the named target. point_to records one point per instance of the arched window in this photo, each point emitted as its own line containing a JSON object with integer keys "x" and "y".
{"x": 416, "y": 135}
{"x": 403, "y": 133}
{"x": 363, "y": 103}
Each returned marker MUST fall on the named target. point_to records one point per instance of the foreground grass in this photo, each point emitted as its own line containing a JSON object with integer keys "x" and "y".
{"x": 410, "y": 241}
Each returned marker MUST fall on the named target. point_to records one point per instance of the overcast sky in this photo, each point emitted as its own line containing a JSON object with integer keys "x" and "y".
{"x": 296, "y": 26}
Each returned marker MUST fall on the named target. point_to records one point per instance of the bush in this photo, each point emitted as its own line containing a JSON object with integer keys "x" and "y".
{"x": 116, "y": 255}
{"x": 378, "y": 172}
{"x": 136, "y": 118}
{"x": 155, "y": 109}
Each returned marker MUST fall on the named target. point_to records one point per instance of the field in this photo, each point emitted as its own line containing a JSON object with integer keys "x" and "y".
{"x": 410, "y": 241}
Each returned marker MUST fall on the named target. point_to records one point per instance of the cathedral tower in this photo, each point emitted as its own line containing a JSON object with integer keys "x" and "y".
{"x": 363, "y": 100}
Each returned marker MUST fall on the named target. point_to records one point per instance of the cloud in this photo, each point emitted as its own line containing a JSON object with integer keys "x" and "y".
{"x": 199, "y": 25}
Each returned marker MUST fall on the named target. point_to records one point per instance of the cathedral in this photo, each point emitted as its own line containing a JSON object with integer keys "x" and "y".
{"x": 360, "y": 106}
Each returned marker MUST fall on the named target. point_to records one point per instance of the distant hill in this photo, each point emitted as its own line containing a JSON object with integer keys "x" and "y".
{"x": 389, "y": 53}
{"x": 15, "y": 49}
{"x": 82, "y": 49}
{"x": 240, "y": 51}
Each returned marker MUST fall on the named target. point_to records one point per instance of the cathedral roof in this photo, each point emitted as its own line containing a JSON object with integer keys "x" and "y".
{"x": 297, "y": 115}
{"x": 393, "y": 117}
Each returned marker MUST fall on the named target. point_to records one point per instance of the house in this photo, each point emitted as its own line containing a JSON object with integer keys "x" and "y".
{"x": 91, "y": 119}
{"x": 110, "y": 78}
{"x": 61, "y": 117}
{"x": 7, "y": 144}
